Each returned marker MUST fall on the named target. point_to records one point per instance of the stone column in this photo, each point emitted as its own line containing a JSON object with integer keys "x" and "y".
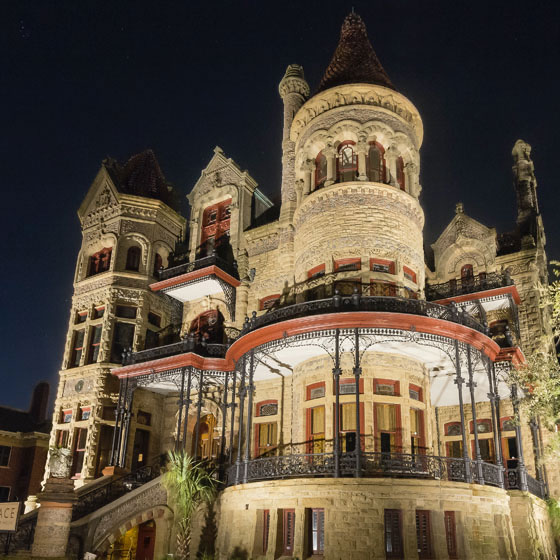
{"x": 330, "y": 153}
{"x": 308, "y": 167}
{"x": 362, "y": 149}
{"x": 55, "y": 514}
{"x": 410, "y": 181}
{"x": 391, "y": 154}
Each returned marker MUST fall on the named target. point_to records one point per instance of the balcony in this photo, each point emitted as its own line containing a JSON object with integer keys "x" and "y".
{"x": 203, "y": 277}
{"x": 465, "y": 286}
{"x": 284, "y": 310}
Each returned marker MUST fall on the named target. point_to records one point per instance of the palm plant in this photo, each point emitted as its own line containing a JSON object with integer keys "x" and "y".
{"x": 188, "y": 485}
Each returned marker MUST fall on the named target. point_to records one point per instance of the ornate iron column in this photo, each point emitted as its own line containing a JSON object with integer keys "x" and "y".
{"x": 520, "y": 461}
{"x": 242, "y": 394}
{"x": 357, "y": 373}
{"x": 438, "y": 432}
{"x": 459, "y": 382}
{"x": 198, "y": 411}
{"x": 232, "y": 405}
{"x": 187, "y": 406}
{"x": 492, "y": 396}
{"x": 250, "y": 389}
{"x": 336, "y": 376}
{"x": 471, "y": 385}
{"x": 116, "y": 429}
{"x": 224, "y": 415}
{"x": 180, "y": 402}
{"x": 129, "y": 393}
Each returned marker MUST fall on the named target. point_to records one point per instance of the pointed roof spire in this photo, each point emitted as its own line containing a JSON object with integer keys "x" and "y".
{"x": 354, "y": 61}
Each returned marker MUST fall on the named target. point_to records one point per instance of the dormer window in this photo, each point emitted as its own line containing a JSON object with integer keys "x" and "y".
{"x": 347, "y": 162}
{"x": 320, "y": 170}
{"x": 376, "y": 163}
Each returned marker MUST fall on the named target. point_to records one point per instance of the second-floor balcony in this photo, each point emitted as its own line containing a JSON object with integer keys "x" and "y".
{"x": 470, "y": 285}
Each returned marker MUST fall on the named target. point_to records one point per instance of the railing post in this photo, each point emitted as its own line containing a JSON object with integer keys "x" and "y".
{"x": 187, "y": 406}
{"x": 242, "y": 393}
{"x": 336, "y": 377}
{"x": 493, "y": 397}
{"x": 520, "y": 462}
{"x": 180, "y": 402}
{"x": 357, "y": 374}
{"x": 198, "y": 412}
{"x": 459, "y": 382}
{"x": 232, "y": 405}
{"x": 250, "y": 389}
{"x": 116, "y": 429}
{"x": 471, "y": 385}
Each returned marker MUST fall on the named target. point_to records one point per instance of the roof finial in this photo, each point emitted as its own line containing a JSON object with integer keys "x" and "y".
{"x": 353, "y": 10}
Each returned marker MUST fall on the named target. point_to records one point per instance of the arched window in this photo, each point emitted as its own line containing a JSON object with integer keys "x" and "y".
{"x": 346, "y": 163}
{"x": 400, "y": 173}
{"x": 158, "y": 263}
{"x": 320, "y": 170}
{"x": 100, "y": 261}
{"x": 208, "y": 326}
{"x": 467, "y": 271}
{"x": 376, "y": 163}
{"x": 133, "y": 258}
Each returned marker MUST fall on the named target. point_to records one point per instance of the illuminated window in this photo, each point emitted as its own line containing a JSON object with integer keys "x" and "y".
{"x": 77, "y": 348}
{"x": 346, "y": 163}
{"x": 387, "y": 432}
{"x": 376, "y": 163}
{"x": 316, "y": 429}
{"x": 454, "y": 449}
{"x": 416, "y": 431}
{"x": 267, "y": 439}
{"x": 94, "y": 343}
{"x": 316, "y": 521}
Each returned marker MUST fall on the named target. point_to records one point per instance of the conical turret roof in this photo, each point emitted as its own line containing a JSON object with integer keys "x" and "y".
{"x": 354, "y": 60}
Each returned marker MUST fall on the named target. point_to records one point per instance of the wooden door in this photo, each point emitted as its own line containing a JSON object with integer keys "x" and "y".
{"x": 146, "y": 541}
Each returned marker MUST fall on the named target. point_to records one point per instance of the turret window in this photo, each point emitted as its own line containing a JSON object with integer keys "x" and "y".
{"x": 320, "y": 170}
{"x": 100, "y": 261}
{"x": 400, "y": 173}
{"x": 376, "y": 163}
{"x": 133, "y": 258}
{"x": 347, "y": 162}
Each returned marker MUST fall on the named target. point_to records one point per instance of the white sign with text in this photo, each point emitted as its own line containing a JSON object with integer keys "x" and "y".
{"x": 9, "y": 513}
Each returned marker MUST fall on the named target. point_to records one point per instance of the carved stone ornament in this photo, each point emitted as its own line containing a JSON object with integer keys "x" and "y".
{"x": 60, "y": 462}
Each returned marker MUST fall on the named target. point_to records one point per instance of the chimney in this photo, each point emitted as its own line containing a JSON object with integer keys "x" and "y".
{"x": 39, "y": 402}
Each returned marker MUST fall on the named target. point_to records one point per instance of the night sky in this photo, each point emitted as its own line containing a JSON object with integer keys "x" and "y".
{"x": 82, "y": 80}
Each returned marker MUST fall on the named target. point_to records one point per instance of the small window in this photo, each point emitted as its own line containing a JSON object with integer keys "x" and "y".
{"x": 85, "y": 413}
{"x": 66, "y": 416}
{"x": 393, "y": 534}
{"x": 225, "y": 212}
{"x": 152, "y": 339}
{"x": 62, "y": 437}
{"x": 5, "y": 455}
{"x": 77, "y": 348}
{"x": 133, "y": 258}
{"x": 409, "y": 274}
{"x": 415, "y": 392}
{"x": 94, "y": 344}
{"x": 316, "y": 272}
{"x": 508, "y": 424}
{"x": 269, "y": 302}
{"x": 344, "y": 265}
{"x": 450, "y": 534}
{"x": 154, "y": 319}
{"x": 158, "y": 263}
{"x": 144, "y": 418}
{"x": 100, "y": 261}
{"x": 467, "y": 272}
{"x": 482, "y": 426}
{"x": 453, "y": 429}
{"x": 347, "y": 388}
{"x": 126, "y": 312}
{"x": 382, "y": 265}
{"x": 288, "y": 525}
{"x": 268, "y": 408}
{"x": 267, "y": 438}
{"x": 376, "y": 163}
{"x": 316, "y": 390}
{"x": 423, "y": 539}
{"x": 99, "y": 312}
{"x": 316, "y": 517}
{"x": 386, "y": 387}
{"x": 81, "y": 317}
{"x": 4, "y": 493}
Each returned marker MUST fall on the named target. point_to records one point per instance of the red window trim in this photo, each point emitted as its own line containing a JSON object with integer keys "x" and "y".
{"x": 481, "y": 421}
{"x": 315, "y": 270}
{"x": 424, "y": 513}
{"x": 398, "y": 427}
{"x": 447, "y": 425}
{"x": 362, "y": 423}
{"x": 390, "y": 263}
{"x": 308, "y": 433}
{"x": 339, "y": 149}
{"x": 63, "y": 413}
{"x": 451, "y": 534}
{"x": 288, "y": 544}
{"x": 448, "y": 445}
{"x": 409, "y": 272}
{"x": 383, "y": 162}
{"x": 257, "y": 436}
{"x": 419, "y": 390}
{"x": 319, "y": 181}
{"x": 350, "y": 260}
{"x": 260, "y": 404}
{"x": 266, "y": 529}
{"x": 504, "y": 419}
{"x": 308, "y": 389}
{"x": 394, "y": 382}
{"x": 266, "y": 299}
{"x": 422, "y": 432}
{"x": 347, "y": 381}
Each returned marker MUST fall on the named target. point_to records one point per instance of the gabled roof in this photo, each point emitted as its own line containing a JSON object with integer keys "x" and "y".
{"x": 354, "y": 60}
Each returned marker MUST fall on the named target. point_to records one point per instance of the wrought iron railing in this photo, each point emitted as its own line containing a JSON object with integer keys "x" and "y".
{"x": 357, "y": 302}
{"x": 22, "y": 539}
{"x": 203, "y": 262}
{"x": 513, "y": 481}
{"x": 89, "y": 501}
{"x": 471, "y": 285}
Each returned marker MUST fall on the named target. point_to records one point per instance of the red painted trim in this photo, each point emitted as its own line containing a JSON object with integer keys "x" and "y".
{"x": 363, "y": 319}
{"x": 504, "y": 419}
{"x": 408, "y": 271}
{"x": 350, "y": 260}
{"x": 312, "y": 271}
{"x": 195, "y": 274}
{"x": 309, "y": 388}
{"x": 396, "y": 384}
{"x": 390, "y": 264}
{"x": 486, "y": 293}
{"x": 513, "y": 355}
{"x": 419, "y": 390}
{"x": 347, "y": 380}
{"x": 447, "y": 425}
{"x": 480, "y": 421}
{"x": 264, "y": 300}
